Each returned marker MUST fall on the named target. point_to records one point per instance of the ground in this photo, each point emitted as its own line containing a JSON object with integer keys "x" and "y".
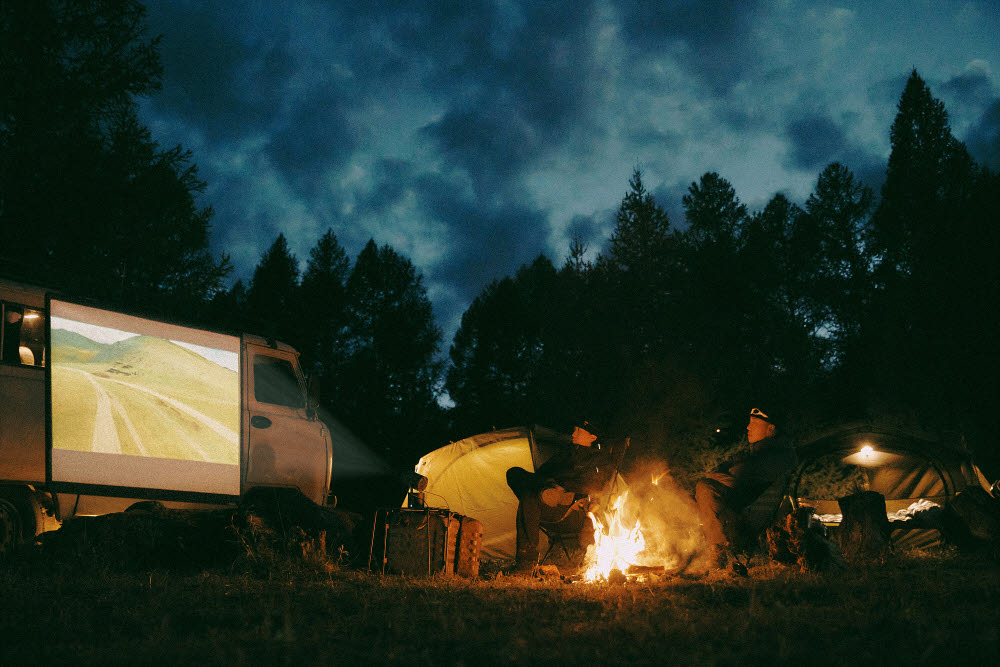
{"x": 923, "y": 607}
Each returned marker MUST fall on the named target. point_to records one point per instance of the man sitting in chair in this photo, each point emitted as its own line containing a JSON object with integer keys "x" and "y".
{"x": 734, "y": 484}
{"x": 562, "y": 484}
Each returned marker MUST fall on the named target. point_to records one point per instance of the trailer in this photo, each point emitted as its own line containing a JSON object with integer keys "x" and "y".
{"x": 101, "y": 409}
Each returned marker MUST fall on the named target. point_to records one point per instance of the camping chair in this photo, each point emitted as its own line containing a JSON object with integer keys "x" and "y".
{"x": 759, "y": 515}
{"x": 569, "y": 529}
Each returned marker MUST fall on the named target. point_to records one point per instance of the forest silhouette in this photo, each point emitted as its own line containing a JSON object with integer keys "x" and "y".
{"x": 849, "y": 306}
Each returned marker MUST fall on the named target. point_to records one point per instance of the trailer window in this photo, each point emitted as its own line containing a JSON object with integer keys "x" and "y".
{"x": 275, "y": 382}
{"x": 23, "y": 336}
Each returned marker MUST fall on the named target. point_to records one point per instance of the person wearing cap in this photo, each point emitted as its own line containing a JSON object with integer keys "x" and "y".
{"x": 734, "y": 484}
{"x": 560, "y": 485}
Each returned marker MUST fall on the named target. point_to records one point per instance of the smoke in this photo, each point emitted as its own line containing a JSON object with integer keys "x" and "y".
{"x": 668, "y": 516}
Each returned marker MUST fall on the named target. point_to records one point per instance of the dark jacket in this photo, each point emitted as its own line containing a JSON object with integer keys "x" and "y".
{"x": 584, "y": 470}
{"x": 752, "y": 471}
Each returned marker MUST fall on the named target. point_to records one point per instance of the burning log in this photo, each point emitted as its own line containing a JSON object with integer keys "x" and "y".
{"x": 864, "y": 532}
{"x": 617, "y": 543}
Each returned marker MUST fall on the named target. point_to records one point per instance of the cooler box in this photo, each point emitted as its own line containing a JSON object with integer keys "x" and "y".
{"x": 425, "y": 541}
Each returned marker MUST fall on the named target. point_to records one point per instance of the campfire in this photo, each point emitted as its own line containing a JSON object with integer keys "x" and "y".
{"x": 642, "y": 531}
{"x": 617, "y": 543}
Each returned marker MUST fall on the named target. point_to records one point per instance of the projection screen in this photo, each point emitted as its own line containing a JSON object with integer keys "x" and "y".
{"x": 143, "y": 404}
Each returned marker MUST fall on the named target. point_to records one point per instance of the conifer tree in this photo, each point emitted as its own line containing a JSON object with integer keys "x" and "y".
{"x": 915, "y": 242}
{"x": 837, "y": 277}
{"x": 324, "y": 301}
{"x": 391, "y": 376}
{"x": 273, "y": 298}
{"x": 88, "y": 201}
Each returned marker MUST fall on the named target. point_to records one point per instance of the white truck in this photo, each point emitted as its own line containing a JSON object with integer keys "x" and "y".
{"x": 100, "y": 410}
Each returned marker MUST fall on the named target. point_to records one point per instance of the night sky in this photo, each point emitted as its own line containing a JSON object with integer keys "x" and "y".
{"x": 472, "y": 136}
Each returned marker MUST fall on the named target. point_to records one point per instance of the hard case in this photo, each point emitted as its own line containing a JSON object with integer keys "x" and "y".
{"x": 425, "y": 541}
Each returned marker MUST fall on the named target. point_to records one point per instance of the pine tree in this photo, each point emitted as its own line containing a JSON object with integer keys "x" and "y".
{"x": 88, "y": 201}
{"x": 837, "y": 276}
{"x": 273, "y": 297}
{"x": 635, "y": 282}
{"x": 324, "y": 301}
{"x": 715, "y": 291}
{"x": 918, "y": 241}
{"x": 714, "y": 214}
{"x": 642, "y": 240}
{"x": 927, "y": 176}
{"x": 391, "y": 376}
{"x": 516, "y": 357}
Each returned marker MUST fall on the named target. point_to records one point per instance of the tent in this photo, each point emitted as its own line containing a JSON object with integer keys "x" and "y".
{"x": 916, "y": 472}
{"x": 470, "y": 477}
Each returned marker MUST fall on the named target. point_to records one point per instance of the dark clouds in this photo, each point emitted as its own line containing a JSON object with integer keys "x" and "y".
{"x": 473, "y": 136}
{"x": 815, "y": 139}
{"x": 984, "y": 140}
{"x": 713, "y": 38}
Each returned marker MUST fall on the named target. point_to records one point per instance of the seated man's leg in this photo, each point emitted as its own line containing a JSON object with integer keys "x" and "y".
{"x": 713, "y": 510}
{"x": 529, "y": 512}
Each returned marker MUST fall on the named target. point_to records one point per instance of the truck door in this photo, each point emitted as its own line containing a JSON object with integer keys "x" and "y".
{"x": 284, "y": 446}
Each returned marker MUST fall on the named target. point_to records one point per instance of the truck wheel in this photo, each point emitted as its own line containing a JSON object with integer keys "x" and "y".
{"x": 10, "y": 529}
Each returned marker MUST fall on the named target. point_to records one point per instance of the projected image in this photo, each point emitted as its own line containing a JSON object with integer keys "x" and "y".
{"x": 141, "y": 406}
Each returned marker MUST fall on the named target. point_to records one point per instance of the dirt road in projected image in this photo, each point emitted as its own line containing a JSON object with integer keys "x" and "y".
{"x": 144, "y": 397}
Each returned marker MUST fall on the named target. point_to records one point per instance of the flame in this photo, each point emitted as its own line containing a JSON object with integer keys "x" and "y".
{"x": 616, "y": 544}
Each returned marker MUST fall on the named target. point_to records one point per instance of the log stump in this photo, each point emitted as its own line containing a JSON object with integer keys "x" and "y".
{"x": 864, "y": 530}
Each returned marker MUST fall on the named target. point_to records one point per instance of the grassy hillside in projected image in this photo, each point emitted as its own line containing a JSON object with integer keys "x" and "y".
{"x": 143, "y": 396}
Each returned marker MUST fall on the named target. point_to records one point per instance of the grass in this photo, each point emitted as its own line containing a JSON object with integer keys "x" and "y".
{"x": 920, "y": 608}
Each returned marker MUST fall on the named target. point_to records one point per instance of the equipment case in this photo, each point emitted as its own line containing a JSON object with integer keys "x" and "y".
{"x": 425, "y": 541}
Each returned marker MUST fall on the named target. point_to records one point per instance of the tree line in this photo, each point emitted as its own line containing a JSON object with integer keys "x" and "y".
{"x": 850, "y": 305}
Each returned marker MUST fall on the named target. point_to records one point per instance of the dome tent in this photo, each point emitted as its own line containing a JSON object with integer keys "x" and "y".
{"x": 917, "y": 473}
{"x": 470, "y": 477}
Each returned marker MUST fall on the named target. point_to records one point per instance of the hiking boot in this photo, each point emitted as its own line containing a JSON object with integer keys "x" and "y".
{"x": 522, "y": 567}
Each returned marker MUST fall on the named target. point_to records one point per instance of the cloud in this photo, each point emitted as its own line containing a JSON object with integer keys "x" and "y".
{"x": 491, "y": 144}
{"x": 473, "y": 136}
{"x": 973, "y": 86}
{"x": 711, "y": 37}
{"x": 213, "y": 78}
{"x": 984, "y": 139}
{"x": 816, "y": 141}
{"x": 314, "y": 137}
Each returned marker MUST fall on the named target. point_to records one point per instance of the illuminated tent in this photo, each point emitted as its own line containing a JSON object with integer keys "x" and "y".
{"x": 470, "y": 477}
{"x": 917, "y": 473}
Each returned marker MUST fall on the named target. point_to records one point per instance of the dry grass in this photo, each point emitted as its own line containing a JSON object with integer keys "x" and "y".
{"x": 935, "y": 607}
